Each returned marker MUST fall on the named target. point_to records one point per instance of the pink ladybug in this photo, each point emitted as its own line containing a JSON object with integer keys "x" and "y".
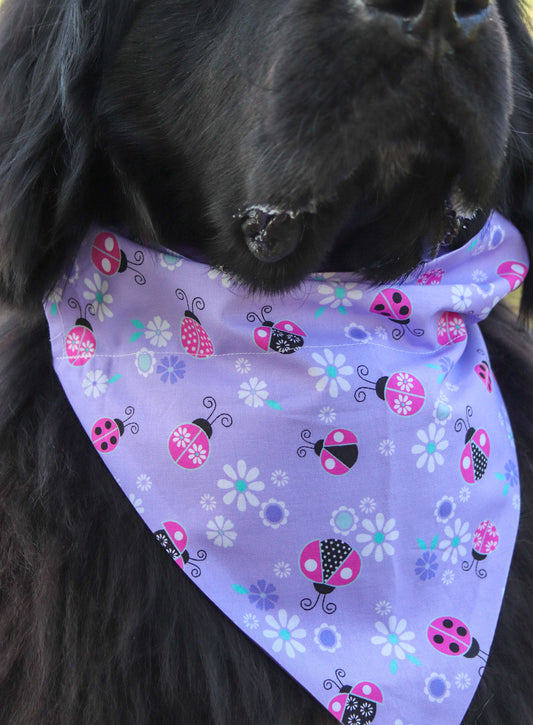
{"x": 403, "y": 392}
{"x": 188, "y": 444}
{"x": 396, "y": 306}
{"x": 194, "y": 338}
{"x": 513, "y": 272}
{"x": 284, "y": 337}
{"x": 451, "y": 636}
{"x": 475, "y": 455}
{"x": 431, "y": 276}
{"x": 109, "y": 259}
{"x": 80, "y": 343}
{"x": 173, "y": 539}
{"x": 338, "y": 451}
{"x": 482, "y": 370}
{"x": 353, "y": 704}
{"x": 328, "y": 564}
{"x": 106, "y": 432}
{"x": 451, "y": 329}
{"x": 486, "y": 539}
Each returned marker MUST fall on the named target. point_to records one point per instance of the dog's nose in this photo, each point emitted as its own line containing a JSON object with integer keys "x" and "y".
{"x": 445, "y": 23}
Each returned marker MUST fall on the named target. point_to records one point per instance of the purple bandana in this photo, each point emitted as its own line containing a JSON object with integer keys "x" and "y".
{"x": 333, "y": 467}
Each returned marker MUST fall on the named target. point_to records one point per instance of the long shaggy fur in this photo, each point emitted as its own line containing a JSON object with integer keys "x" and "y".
{"x": 170, "y": 118}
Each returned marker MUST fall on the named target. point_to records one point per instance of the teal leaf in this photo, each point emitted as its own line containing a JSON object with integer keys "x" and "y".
{"x": 413, "y": 659}
{"x": 422, "y": 544}
{"x": 272, "y": 404}
{"x": 506, "y": 489}
{"x": 319, "y": 312}
{"x": 239, "y": 589}
{"x": 136, "y": 335}
{"x": 432, "y": 366}
{"x": 114, "y": 378}
{"x": 53, "y": 309}
{"x": 342, "y": 309}
{"x": 440, "y": 379}
{"x": 500, "y": 476}
{"x": 138, "y": 324}
{"x": 393, "y": 666}
{"x": 434, "y": 542}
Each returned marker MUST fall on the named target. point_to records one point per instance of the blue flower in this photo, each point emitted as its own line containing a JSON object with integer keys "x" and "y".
{"x": 263, "y": 595}
{"x": 170, "y": 368}
{"x": 426, "y": 565}
{"x": 511, "y": 473}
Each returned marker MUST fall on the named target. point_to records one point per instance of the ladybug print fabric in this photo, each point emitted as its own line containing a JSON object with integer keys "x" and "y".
{"x": 344, "y": 487}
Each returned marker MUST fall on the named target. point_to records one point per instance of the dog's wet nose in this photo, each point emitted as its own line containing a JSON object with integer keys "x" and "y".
{"x": 446, "y": 23}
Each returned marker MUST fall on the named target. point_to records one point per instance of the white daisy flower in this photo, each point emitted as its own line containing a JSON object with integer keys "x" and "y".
{"x": 254, "y": 392}
{"x": 368, "y": 505}
{"x": 95, "y": 383}
{"x": 327, "y": 414}
{"x": 279, "y": 478}
{"x": 98, "y": 296}
{"x": 457, "y": 536}
{"x": 137, "y": 503}
{"x": 208, "y": 502}
{"x": 282, "y": 569}
{"x": 250, "y": 621}
{"x": 379, "y": 537}
{"x": 242, "y": 365}
{"x": 387, "y": 447}
{"x": 197, "y": 453}
{"x": 462, "y": 680}
{"x": 144, "y": 482}
{"x": 285, "y": 633}
{"x": 221, "y": 532}
{"x": 383, "y": 608}
{"x": 429, "y": 450}
{"x": 240, "y": 485}
{"x": 332, "y": 368}
{"x": 225, "y": 278}
{"x": 461, "y": 297}
{"x": 158, "y": 332}
{"x": 394, "y": 639}
{"x": 464, "y": 494}
{"x": 448, "y": 577}
{"x": 338, "y": 294}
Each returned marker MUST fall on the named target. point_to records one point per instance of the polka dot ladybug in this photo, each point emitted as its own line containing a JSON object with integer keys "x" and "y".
{"x": 482, "y": 370}
{"x": 402, "y": 391}
{"x": 173, "y": 539}
{"x": 106, "y": 432}
{"x": 194, "y": 338}
{"x": 475, "y": 455}
{"x": 338, "y": 451}
{"x": 80, "y": 342}
{"x": 450, "y": 636}
{"x": 451, "y": 329}
{"x": 356, "y": 704}
{"x": 284, "y": 337}
{"x": 514, "y": 272}
{"x": 109, "y": 259}
{"x": 396, "y": 306}
{"x": 329, "y": 564}
{"x": 486, "y": 539}
{"x": 188, "y": 444}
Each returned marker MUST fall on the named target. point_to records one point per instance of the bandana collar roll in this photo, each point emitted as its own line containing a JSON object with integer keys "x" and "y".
{"x": 333, "y": 467}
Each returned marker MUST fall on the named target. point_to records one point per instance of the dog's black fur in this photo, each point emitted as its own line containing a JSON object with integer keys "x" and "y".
{"x": 365, "y": 127}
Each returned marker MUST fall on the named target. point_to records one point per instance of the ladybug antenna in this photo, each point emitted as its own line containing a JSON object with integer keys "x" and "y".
{"x": 210, "y": 403}
{"x": 138, "y": 259}
{"x": 129, "y": 411}
{"x": 89, "y": 309}
{"x": 465, "y": 566}
{"x": 201, "y": 555}
{"x": 460, "y": 422}
{"x": 481, "y": 573}
{"x": 399, "y": 332}
{"x": 199, "y": 302}
{"x": 360, "y": 394}
{"x": 337, "y": 682}
{"x": 253, "y": 316}
{"x": 307, "y": 604}
{"x": 305, "y": 435}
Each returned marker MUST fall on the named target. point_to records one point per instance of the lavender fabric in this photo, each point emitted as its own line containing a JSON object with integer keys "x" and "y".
{"x": 333, "y": 467}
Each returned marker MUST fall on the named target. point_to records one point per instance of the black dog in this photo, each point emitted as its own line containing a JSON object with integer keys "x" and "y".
{"x": 278, "y": 138}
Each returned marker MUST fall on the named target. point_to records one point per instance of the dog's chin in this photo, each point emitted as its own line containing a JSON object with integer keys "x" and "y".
{"x": 381, "y": 234}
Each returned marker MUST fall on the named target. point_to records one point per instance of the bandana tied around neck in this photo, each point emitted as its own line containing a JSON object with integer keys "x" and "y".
{"x": 334, "y": 467}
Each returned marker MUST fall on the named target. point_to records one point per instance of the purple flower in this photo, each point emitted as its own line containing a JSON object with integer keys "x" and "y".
{"x": 263, "y": 595}
{"x": 511, "y": 473}
{"x": 426, "y": 565}
{"x": 170, "y": 368}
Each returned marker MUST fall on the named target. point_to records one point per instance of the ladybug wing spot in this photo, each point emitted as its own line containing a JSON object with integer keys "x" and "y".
{"x": 310, "y": 565}
{"x": 346, "y": 573}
